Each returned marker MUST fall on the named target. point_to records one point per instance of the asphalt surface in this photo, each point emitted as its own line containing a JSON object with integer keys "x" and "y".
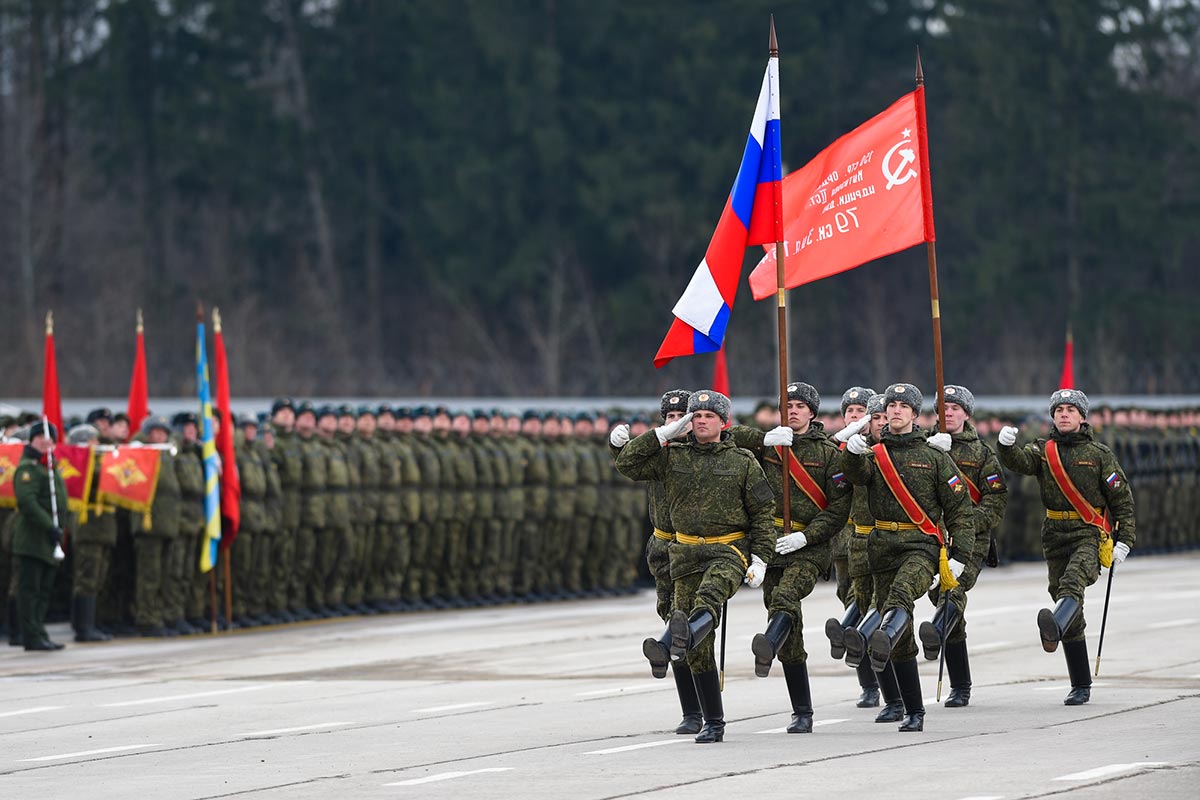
{"x": 555, "y": 700}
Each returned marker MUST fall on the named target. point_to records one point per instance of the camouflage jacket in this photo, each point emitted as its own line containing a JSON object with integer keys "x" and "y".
{"x": 288, "y": 456}
{"x": 1093, "y": 469}
{"x": 313, "y": 483}
{"x": 976, "y": 461}
{"x": 189, "y": 469}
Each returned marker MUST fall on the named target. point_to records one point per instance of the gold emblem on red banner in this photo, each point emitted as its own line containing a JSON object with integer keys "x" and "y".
{"x": 127, "y": 473}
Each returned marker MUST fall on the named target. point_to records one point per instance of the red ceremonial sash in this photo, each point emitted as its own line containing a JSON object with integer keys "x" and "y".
{"x": 1082, "y": 507}
{"x": 903, "y": 496}
{"x": 802, "y": 479}
{"x": 972, "y": 489}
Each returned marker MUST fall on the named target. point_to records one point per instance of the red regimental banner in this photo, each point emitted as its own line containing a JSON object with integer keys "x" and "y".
{"x": 860, "y": 199}
{"x": 10, "y": 457}
{"x": 77, "y": 467}
{"x": 128, "y": 478}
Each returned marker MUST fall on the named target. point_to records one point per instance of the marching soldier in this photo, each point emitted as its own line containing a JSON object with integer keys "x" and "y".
{"x": 1088, "y": 505}
{"x": 911, "y": 488}
{"x": 672, "y": 406}
{"x": 819, "y": 509}
{"x": 720, "y": 504}
{"x": 37, "y": 535}
{"x": 985, "y": 483}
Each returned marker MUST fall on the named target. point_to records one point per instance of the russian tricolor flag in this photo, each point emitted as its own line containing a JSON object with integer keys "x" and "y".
{"x": 753, "y": 215}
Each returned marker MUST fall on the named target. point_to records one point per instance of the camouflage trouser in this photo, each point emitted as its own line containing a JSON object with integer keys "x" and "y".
{"x": 475, "y": 540}
{"x": 506, "y": 566}
{"x": 841, "y": 563}
{"x": 958, "y": 595}
{"x": 708, "y": 591}
{"x": 859, "y": 567}
{"x": 176, "y": 578}
{"x": 303, "y": 571}
{"x": 435, "y": 554}
{"x": 453, "y": 563}
{"x": 197, "y": 591}
{"x": 575, "y": 551}
{"x": 530, "y": 543}
{"x": 364, "y": 543}
{"x": 400, "y": 561}
{"x": 1072, "y": 564}
{"x": 783, "y": 590}
{"x": 379, "y": 561}
{"x": 334, "y": 551}
{"x": 493, "y": 545}
{"x": 418, "y": 554}
{"x": 91, "y": 564}
{"x": 152, "y": 560}
{"x": 905, "y": 566}
{"x": 658, "y": 559}
{"x": 279, "y": 553}
{"x": 244, "y": 572}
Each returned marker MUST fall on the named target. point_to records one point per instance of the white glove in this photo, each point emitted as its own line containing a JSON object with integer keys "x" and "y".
{"x": 779, "y": 436}
{"x": 854, "y": 427}
{"x": 937, "y": 582}
{"x": 790, "y": 543}
{"x": 1008, "y": 436}
{"x": 940, "y": 441}
{"x": 1120, "y": 550}
{"x": 956, "y": 567}
{"x": 619, "y": 436}
{"x": 857, "y": 444}
{"x": 756, "y": 573}
{"x": 59, "y": 555}
{"x": 666, "y": 433}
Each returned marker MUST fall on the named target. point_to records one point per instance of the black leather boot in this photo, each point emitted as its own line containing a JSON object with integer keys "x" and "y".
{"x": 658, "y": 653}
{"x": 1053, "y": 624}
{"x": 835, "y": 629}
{"x": 932, "y": 632}
{"x": 689, "y": 701}
{"x": 895, "y": 622}
{"x": 959, "y": 667}
{"x": 855, "y": 639}
{"x": 83, "y": 616}
{"x": 893, "y": 709}
{"x": 687, "y": 632}
{"x": 870, "y": 687}
{"x": 800, "y": 694}
{"x": 1080, "y": 672}
{"x": 910, "y": 691}
{"x": 767, "y": 644}
{"x": 708, "y": 687}
{"x": 14, "y": 623}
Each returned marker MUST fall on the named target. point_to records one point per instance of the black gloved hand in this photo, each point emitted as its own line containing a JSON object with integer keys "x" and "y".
{"x": 57, "y": 535}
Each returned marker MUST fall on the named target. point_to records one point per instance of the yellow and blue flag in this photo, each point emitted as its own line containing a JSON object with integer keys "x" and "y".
{"x": 212, "y": 497}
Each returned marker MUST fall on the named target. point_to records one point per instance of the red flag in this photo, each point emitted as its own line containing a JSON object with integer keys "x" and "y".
{"x": 1067, "y": 379}
{"x": 139, "y": 404}
{"x": 231, "y": 487}
{"x": 51, "y": 399}
{"x": 863, "y": 197}
{"x": 720, "y": 381}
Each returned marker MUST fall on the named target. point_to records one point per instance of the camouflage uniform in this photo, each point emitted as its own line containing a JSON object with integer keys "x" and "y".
{"x": 92, "y": 544}
{"x": 247, "y": 573}
{"x": 314, "y": 515}
{"x": 335, "y": 546}
{"x": 368, "y": 550}
{"x": 420, "y": 578}
{"x": 287, "y": 455}
{"x": 533, "y": 526}
{"x": 480, "y": 529}
{"x": 512, "y": 512}
{"x": 585, "y": 546}
{"x": 564, "y": 478}
{"x": 189, "y": 595}
{"x": 157, "y": 553}
{"x": 33, "y": 546}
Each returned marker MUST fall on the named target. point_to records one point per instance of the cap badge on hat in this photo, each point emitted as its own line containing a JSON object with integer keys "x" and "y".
{"x": 950, "y": 390}
{"x": 1066, "y": 393}
{"x": 793, "y": 388}
{"x": 703, "y": 398}
{"x": 674, "y": 401}
{"x": 899, "y": 389}
{"x": 853, "y": 395}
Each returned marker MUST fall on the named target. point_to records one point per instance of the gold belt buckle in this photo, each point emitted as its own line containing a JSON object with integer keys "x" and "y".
{"x": 700, "y": 540}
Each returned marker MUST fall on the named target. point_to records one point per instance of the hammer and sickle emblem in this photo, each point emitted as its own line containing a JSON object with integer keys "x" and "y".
{"x": 907, "y": 156}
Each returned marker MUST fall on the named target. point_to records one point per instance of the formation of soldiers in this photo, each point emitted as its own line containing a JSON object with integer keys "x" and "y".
{"x": 350, "y": 510}
{"x": 903, "y": 512}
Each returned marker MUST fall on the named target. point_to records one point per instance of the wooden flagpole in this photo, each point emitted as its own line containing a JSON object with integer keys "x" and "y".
{"x": 782, "y": 318}
{"x": 931, "y": 250}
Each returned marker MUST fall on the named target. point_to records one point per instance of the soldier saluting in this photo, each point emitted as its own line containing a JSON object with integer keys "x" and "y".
{"x": 720, "y": 507}
{"x": 1088, "y": 504}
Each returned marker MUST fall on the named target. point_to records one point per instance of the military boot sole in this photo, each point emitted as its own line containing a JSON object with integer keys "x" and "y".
{"x": 1078, "y": 696}
{"x": 801, "y": 723}
{"x": 764, "y": 654}
{"x": 837, "y": 638}
{"x": 931, "y": 640}
{"x": 681, "y": 635}
{"x": 658, "y": 656}
{"x": 1048, "y": 630}
{"x": 856, "y": 648}
{"x": 880, "y": 648}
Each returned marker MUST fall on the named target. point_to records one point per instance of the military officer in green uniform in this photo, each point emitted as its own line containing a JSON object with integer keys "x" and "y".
{"x": 985, "y": 481}
{"x": 904, "y": 545}
{"x": 37, "y": 535}
{"x": 820, "y": 504}
{"x": 1073, "y": 532}
{"x": 366, "y": 549}
{"x": 335, "y": 545}
{"x": 720, "y": 506}
{"x": 533, "y": 530}
{"x": 420, "y": 577}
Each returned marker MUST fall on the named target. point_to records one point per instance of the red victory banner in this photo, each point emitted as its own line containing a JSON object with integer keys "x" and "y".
{"x": 77, "y": 467}
{"x": 863, "y": 197}
{"x": 10, "y": 457}
{"x": 129, "y": 477}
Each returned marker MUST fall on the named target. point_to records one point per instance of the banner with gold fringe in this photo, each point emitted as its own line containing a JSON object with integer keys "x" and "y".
{"x": 129, "y": 478}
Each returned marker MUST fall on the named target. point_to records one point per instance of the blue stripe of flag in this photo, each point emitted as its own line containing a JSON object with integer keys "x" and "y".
{"x": 746, "y": 183}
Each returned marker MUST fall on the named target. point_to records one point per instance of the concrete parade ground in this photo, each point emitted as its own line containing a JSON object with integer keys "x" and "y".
{"x": 556, "y": 701}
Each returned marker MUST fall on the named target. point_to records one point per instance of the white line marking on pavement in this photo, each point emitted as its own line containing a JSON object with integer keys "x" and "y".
{"x": 455, "y": 707}
{"x": 1111, "y": 769}
{"x": 1060, "y": 687}
{"x": 816, "y": 724}
{"x": 628, "y": 747}
{"x": 445, "y": 776}
{"x": 647, "y": 687}
{"x": 1171, "y": 623}
{"x": 92, "y": 752}
{"x": 297, "y": 729}
{"x": 980, "y": 648}
{"x": 29, "y": 711}
{"x": 169, "y": 698}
